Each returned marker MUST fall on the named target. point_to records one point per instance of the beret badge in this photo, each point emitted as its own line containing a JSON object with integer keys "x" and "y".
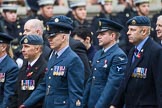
{"x": 99, "y": 23}
{"x": 25, "y": 40}
{"x": 133, "y": 22}
{"x": 56, "y": 20}
{"x": 48, "y": 29}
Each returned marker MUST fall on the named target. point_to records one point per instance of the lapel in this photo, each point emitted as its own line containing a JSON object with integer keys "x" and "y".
{"x": 130, "y": 57}
{"x": 34, "y": 69}
{"x": 37, "y": 64}
{"x": 54, "y": 61}
{"x": 108, "y": 52}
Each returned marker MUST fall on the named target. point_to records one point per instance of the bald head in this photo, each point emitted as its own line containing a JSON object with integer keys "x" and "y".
{"x": 33, "y": 27}
{"x": 159, "y": 17}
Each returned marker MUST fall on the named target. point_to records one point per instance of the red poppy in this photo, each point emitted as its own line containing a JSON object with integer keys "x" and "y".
{"x": 29, "y": 74}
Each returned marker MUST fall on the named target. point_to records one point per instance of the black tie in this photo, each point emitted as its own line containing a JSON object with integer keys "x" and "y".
{"x": 135, "y": 51}
{"x": 29, "y": 67}
{"x": 55, "y": 55}
{"x": 102, "y": 52}
{"x": 135, "y": 54}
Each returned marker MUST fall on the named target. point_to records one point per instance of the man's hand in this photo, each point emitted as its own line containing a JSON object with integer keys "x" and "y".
{"x": 22, "y": 106}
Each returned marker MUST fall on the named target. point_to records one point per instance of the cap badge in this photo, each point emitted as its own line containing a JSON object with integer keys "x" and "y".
{"x": 91, "y": 33}
{"x": 133, "y": 22}
{"x": 99, "y": 23}
{"x": 56, "y": 20}
{"x": 25, "y": 40}
{"x": 47, "y": 28}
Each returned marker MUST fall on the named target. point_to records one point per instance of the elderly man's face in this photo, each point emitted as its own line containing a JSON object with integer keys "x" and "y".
{"x": 135, "y": 34}
{"x": 159, "y": 28}
{"x": 29, "y": 29}
{"x": 56, "y": 41}
{"x": 30, "y": 51}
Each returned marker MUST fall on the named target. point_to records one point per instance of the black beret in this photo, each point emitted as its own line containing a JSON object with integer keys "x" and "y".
{"x": 106, "y": 24}
{"x": 5, "y": 38}
{"x": 59, "y": 24}
{"x": 32, "y": 40}
{"x": 139, "y": 21}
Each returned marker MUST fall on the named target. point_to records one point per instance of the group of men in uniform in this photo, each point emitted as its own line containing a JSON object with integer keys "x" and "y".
{"x": 62, "y": 77}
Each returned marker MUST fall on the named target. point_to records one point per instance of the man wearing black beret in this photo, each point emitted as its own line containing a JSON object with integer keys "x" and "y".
{"x": 32, "y": 72}
{"x": 63, "y": 84}
{"x": 141, "y": 87}
{"x": 8, "y": 71}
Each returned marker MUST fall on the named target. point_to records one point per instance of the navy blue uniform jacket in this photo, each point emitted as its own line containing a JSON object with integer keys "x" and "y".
{"x": 8, "y": 78}
{"x": 63, "y": 84}
{"x": 108, "y": 71}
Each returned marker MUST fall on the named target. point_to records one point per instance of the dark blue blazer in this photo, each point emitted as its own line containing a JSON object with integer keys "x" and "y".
{"x": 108, "y": 71}
{"x": 38, "y": 71}
{"x": 63, "y": 84}
{"x": 142, "y": 85}
{"x": 8, "y": 77}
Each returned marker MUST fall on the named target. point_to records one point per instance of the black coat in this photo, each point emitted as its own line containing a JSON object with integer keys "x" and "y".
{"x": 14, "y": 29}
{"x": 81, "y": 51}
{"x": 38, "y": 71}
{"x": 141, "y": 87}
